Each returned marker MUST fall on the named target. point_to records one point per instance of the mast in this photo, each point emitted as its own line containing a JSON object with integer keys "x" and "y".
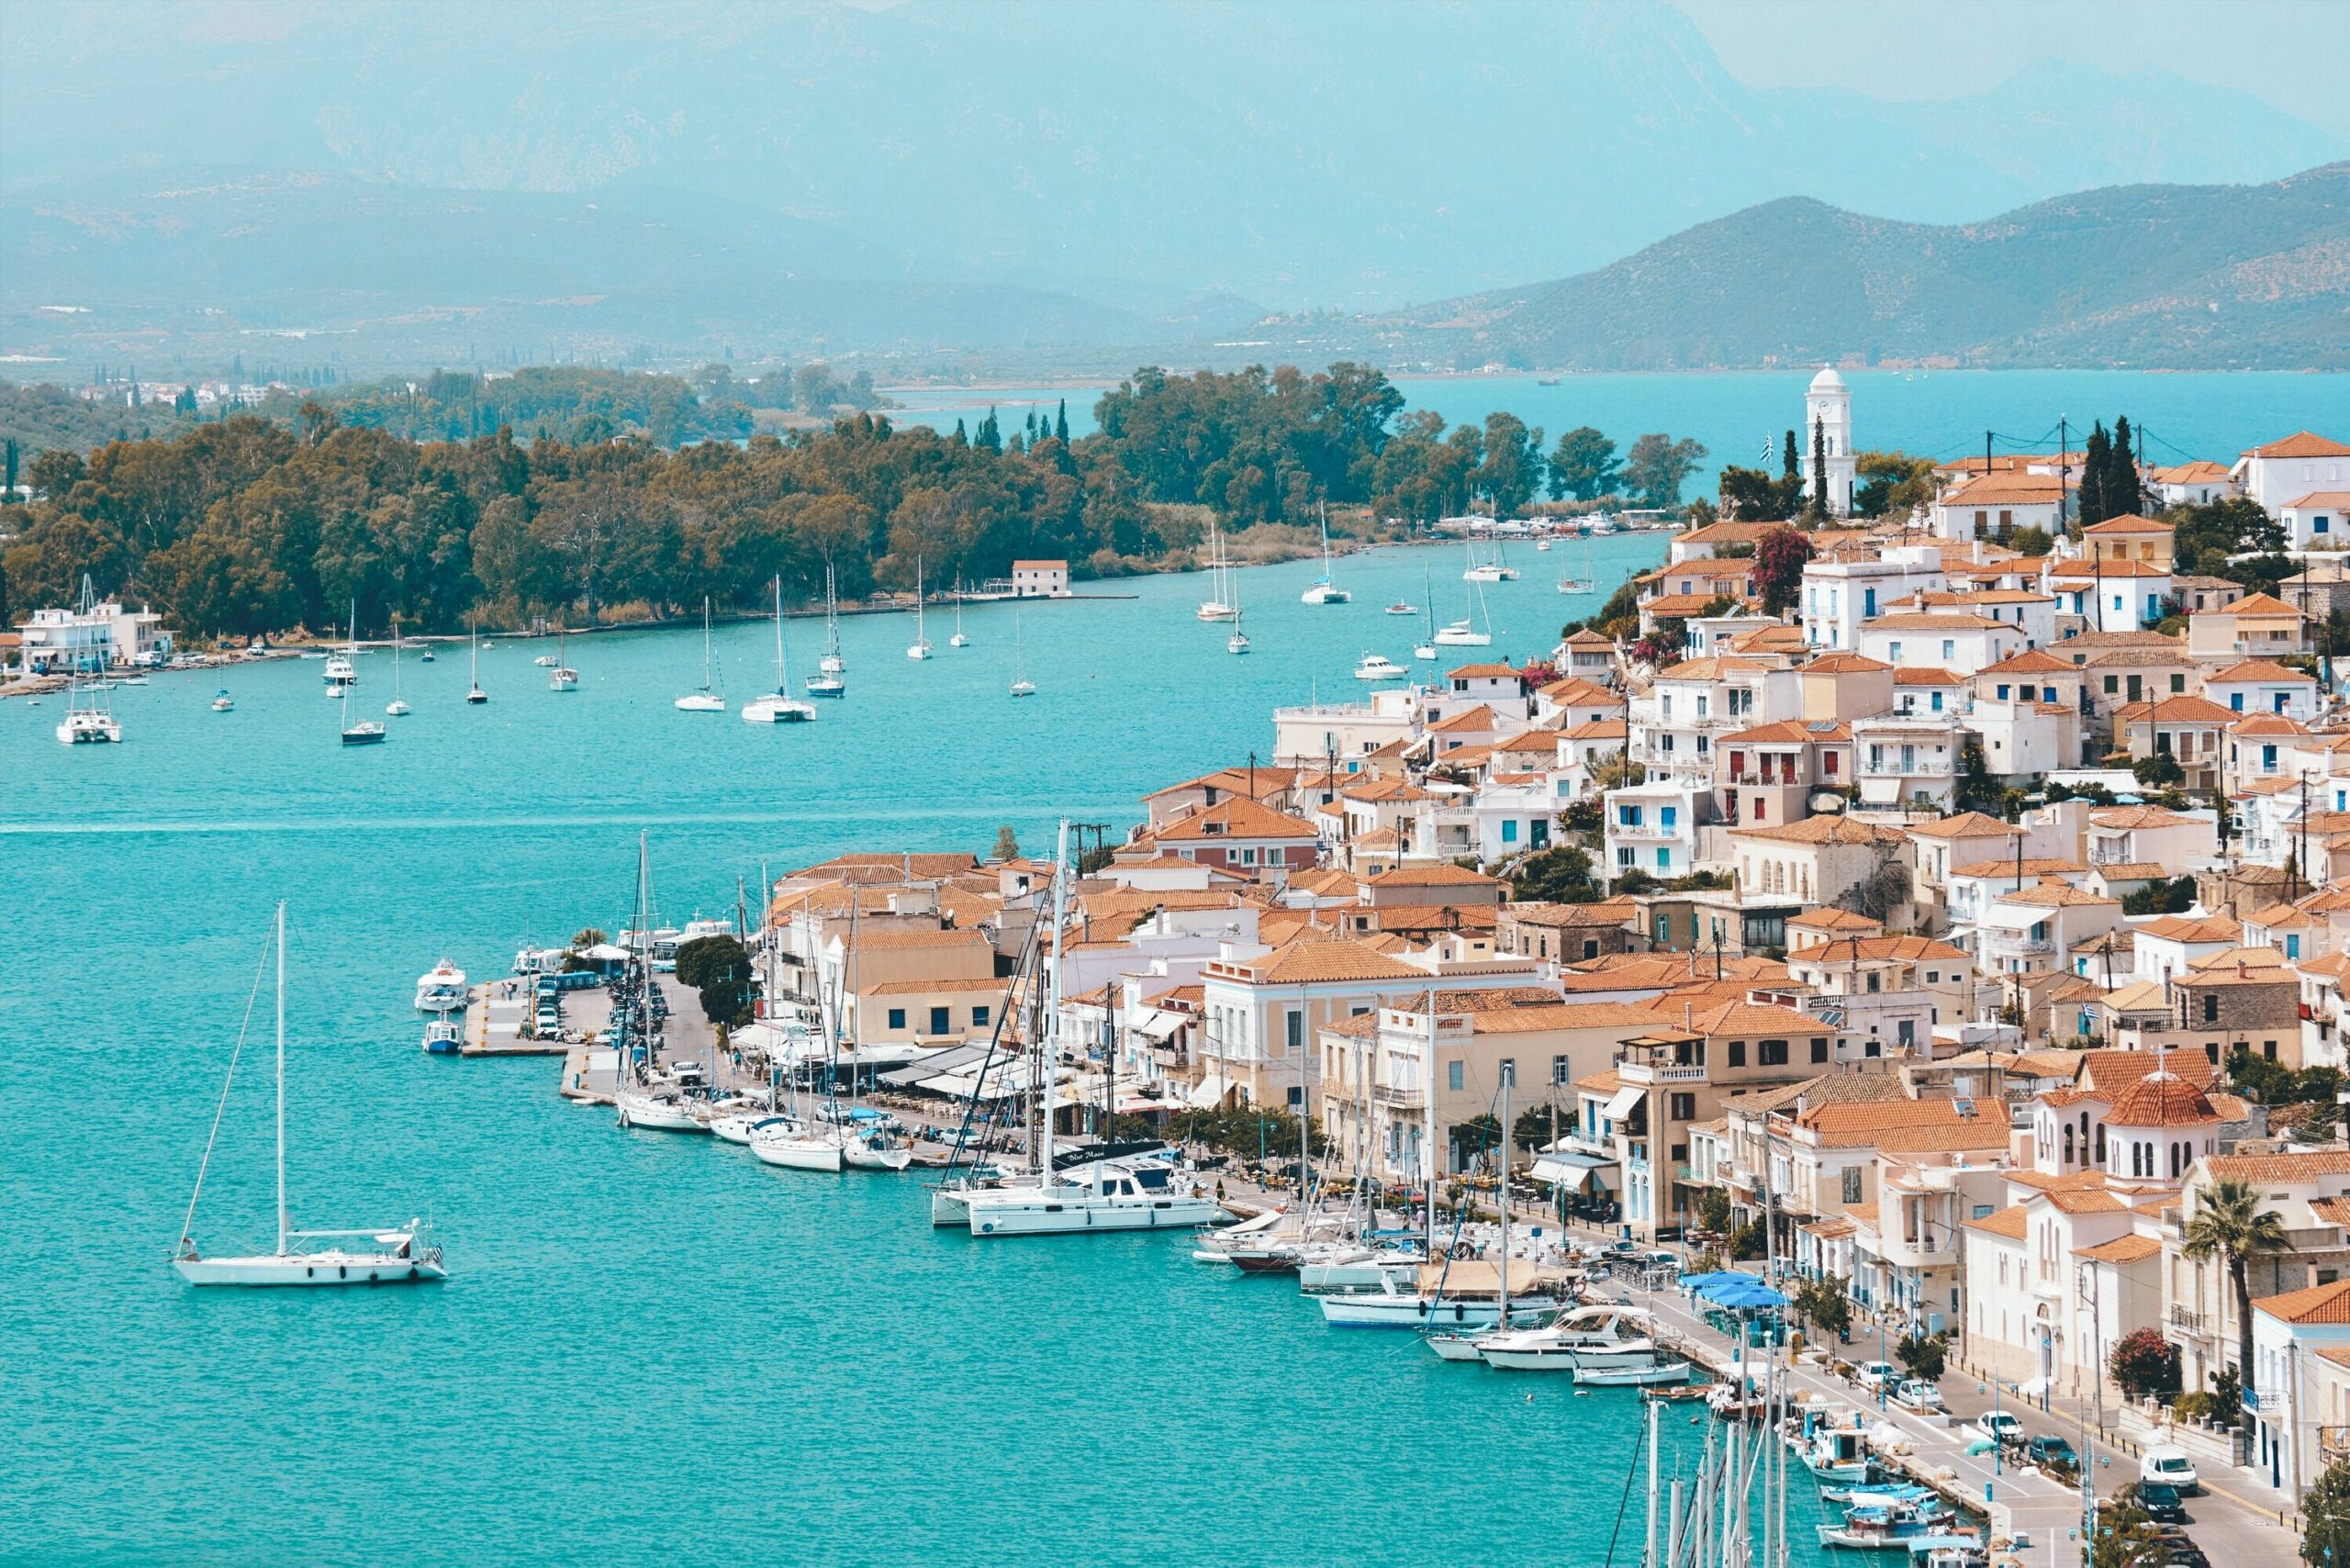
{"x": 1509, "y": 1076}
{"x": 1427, "y": 1153}
{"x": 1647, "y": 1558}
{"x": 1052, "y": 1030}
{"x": 782, "y": 681}
{"x": 280, "y": 1078}
{"x": 705, "y": 642}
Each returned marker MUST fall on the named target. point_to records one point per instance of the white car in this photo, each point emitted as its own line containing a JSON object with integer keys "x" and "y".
{"x": 1876, "y": 1374}
{"x": 2000, "y": 1426}
{"x": 1918, "y": 1395}
{"x": 2168, "y": 1463}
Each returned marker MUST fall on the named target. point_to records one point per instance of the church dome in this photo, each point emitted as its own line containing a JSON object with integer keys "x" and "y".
{"x": 1828, "y": 381}
{"x": 2161, "y": 1100}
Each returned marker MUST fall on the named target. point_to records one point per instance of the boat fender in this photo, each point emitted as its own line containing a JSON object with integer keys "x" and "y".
{"x": 411, "y": 1271}
{"x": 342, "y": 1271}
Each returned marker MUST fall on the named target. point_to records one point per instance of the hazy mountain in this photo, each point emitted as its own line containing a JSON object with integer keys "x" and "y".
{"x": 1309, "y": 153}
{"x": 2173, "y": 276}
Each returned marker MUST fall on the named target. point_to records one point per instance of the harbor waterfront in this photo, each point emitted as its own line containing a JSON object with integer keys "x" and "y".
{"x": 651, "y": 1349}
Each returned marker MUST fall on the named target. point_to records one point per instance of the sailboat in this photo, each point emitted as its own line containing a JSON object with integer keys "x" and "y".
{"x": 707, "y": 700}
{"x": 1426, "y": 649}
{"x": 223, "y": 702}
{"x": 958, "y": 640}
{"x": 1021, "y": 684}
{"x": 1218, "y": 605}
{"x": 395, "y": 1256}
{"x": 398, "y": 708}
{"x": 87, "y": 723}
{"x": 343, "y": 668}
{"x": 562, "y": 678}
{"x": 781, "y": 708}
{"x": 1578, "y": 583}
{"x": 1324, "y": 590}
{"x": 1238, "y": 641}
{"x": 919, "y": 647}
{"x": 474, "y": 694}
{"x": 1496, "y": 570}
{"x": 832, "y": 663}
{"x": 1463, "y": 633}
{"x": 367, "y": 732}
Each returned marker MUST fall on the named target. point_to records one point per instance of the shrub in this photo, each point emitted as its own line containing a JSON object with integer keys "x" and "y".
{"x": 1924, "y": 1354}
{"x": 2144, "y": 1362}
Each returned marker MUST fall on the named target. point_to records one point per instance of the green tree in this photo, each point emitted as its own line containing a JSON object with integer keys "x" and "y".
{"x": 1007, "y": 845}
{"x": 1512, "y": 472}
{"x": 1825, "y": 1304}
{"x": 1749, "y": 495}
{"x": 2122, "y": 492}
{"x": 1924, "y": 1354}
{"x": 2095, "y": 462}
{"x": 1780, "y": 557}
{"x": 1560, "y": 874}
{"x": 2325, "y": 1517}
{"x": 2157, "y": 771}
{"x": 2144, "y": 1362}
{"x": 2032, "y": 540}
{"x": 1582, "y": 465}
{"x": 1713, "y": 1211}
{"x": 2229, "y": 1224}
{"x": 719, "y": 969}
{"x": 1657, "y": 466}
{"x": 2126, "y": 1537}
{"x": 1819, "y": 507}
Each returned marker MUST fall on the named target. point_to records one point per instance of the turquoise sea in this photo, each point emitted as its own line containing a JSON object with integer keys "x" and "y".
{"x": 655, "y": 1351}
{"x": 1736, "y": 414}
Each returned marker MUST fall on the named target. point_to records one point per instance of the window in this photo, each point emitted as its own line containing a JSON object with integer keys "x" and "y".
{"x": 1819, "y": 1047}
{"x": 1628, "y": 816}
{"x": 1950, "y": 648}
{"x": 897, "y": 1017}
{"x": 1663, "y": 859}
{"x": 2177, "y": 684}
{"x": 1770, "y": 1053}
{"x": 1893, "y": 652}
{"x": 2111, "y": 685}
{"x": 1828, "y": 765}
{"x": 2236, "y": 702}
{"x": 2292, "y": 947}
{"x": 1664, "y": 928}
{"x": 1590, "y": 947}
{"x": 1557, "y": 1069}
{"x": 980, "y": 1017}
{"x": 1624, "y": 856}
{"x": 1738, "y": 1053}
{"x": 1852, "y": 1185}
{"x": 1684, "y": 1107}
{"x": 1510, "y": 830}
{"x": 2003, "y": 693}
{"x": 1935, "y": 702}
{"x": 1293, "y": 1028}
{"x": 1666, "y": 816}
{"x": 939, "y": 1022}
{"x": 1452, "y": 1076}
{"x": 2211, "y": 1007}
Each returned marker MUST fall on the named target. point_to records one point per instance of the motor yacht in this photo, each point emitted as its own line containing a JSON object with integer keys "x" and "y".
{"x": 443, "y": 1037}
{"x": 1109, "y": 1194}
{"x": 1379, "y": 666}
{"x": 1593, "y": 1331}
{"x": 440, "y": 988}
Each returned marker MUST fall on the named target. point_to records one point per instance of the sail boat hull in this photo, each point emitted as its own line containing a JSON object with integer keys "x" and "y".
{"x": 313, "y": 1269}
{"x": 701, "y": 703}
{"x": 800, "y": 1154}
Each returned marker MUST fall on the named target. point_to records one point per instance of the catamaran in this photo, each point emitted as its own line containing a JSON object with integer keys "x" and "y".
{"x": 707, "y": 698}
{"x": 1219, "y": 605}
{"x": 562, "y": 678}
{"x": 1325, "y": 590}
{"x": 919, "y": 647}
{"x": 474, "y": 693}
{"x": 782, "y": 707}
{"x": 397, "y": 1255}
{"x": 87, "y": 723}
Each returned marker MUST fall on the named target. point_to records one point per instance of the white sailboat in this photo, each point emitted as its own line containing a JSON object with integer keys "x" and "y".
{"x": 1021, "y": 684}
{"x": 397, "y": 707}
{"x": 1238, "y": 641}
{"x": 1572, "y": 582}
{"x": 343, "y": 668}
{"x": 395, "y": 1255}
{"x": 1425, "y": 647}
{"x": 90, "y": 722}
{"x": 1219, "y": 605}
{"x": 367, "y": 732}
{"x": 832, "y": 663}
{"x": 1496, "y": 570}
{"x": 1324, "y": 589}
{"x": 958, "y": 640}
{"x": 707, "y": 700}
{"x": 782, "y": 707}
{"x": 222, "y": 702}
{"x": 562, "y": 678}
{"x": 919, "y": 647}
{"x": 1463, "y": 633}
{"x": 474, "y": 693}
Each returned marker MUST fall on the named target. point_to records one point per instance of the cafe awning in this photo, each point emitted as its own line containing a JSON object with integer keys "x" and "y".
{"x": 1210, "y": 1091}
{"x": 1573, "y": 1171}
{"x": 1620, "y": 1103}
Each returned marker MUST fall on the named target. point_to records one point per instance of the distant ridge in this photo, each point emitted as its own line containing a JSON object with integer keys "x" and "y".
{"x": 2149, "y": 277}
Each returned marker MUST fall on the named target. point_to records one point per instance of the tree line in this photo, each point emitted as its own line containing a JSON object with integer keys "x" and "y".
{"x": 246, "y": 524}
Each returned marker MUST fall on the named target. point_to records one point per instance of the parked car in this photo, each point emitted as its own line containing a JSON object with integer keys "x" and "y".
{"x": 2000, "y": 1426}
{"x": 1876, "y": 1374}
{"x": 1919, "y": 1394}
{"x": 2161, "y": 1501}
{"x": 2055, "y": 1453}
{"x": 2167, "y": 1462}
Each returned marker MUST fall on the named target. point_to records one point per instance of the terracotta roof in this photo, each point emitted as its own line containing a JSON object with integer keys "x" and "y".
{"x": 2032, "y": 661}
{"x": 1567, "y": 916}
{"x": 1239, "y": 818}
{"x": 2161, "y": 1100}
{"x": 1322, "y": 957}
{"x": 1482, "y": 672}
{"x": 1587, "y": 638}
{"x": 1965, "y": 825}
{"x": 2128, "y": 523}
{"x": 1831, "y": 829}
{"x": 1598, "y": 730}
{"x": 2131, "y": 870}
{"x": 1480, "y": 717}
{"x": 2054, "y": 895}
{"x": 2009, "y": 1222}
{"x": 2278, "y": 1169}
{"x": 1825, "y": 919}
{"x": 2257, "y": 725}
{"x": 2034, "y": 866}
{"x": 2121, "y": 1249}
{"x": 2323, "y": 499}
{"x": 2082, "y": 1200}
{"x": 1708, "y": 669}
{"x": 1926, "y": 674}
{"x": 1906, "y": 1126}
{"x": 1789, "y": 732}
{"x": 2088, "y": 571}
{"x": 1442, "y": 873}
{"x": 2300, "y": 444}
{"x": 2175, "y": 711}
{"x": 1845, "y": 664}
{"x": 2194, "y": 928}
{"x": 2317, "y": 1303}
{"x": 1920, "y": 620}
{"x": 2138, "y": 816}
{"x": 1906, "y": 949}
{"x": 2016, "y": 487}
{"x": 2259, "y": 669}
{"x": 2255, "y": 604}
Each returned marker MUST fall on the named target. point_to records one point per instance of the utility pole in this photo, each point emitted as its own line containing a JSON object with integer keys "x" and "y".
{"x": 2064, "y": 468}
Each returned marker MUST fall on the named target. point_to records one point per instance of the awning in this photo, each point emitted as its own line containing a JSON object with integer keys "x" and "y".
{"x": 1572, "y": 1170}
{"x": 1145, "y": 1105}
{"x": 934, "y": 1064}
{"x": 1159, "y": 1024}
{"x": 1210, "y": 1091}
{"x": 1620, "y": 1103}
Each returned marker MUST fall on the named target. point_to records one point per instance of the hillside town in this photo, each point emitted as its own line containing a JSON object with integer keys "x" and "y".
{"x": 1971, "y": 931}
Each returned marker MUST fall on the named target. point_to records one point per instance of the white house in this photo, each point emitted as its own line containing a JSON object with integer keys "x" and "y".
{"x": 2319, "y": 520}
{"x": 1653, "y": 827}
{"x": 1838, "y": 595}
{"x": 2199, "y": 483}
{"x": 1040, "y": 579}
{"x": 2263, "y": 686}
{"x": 1961, "y": 643}
{"x": 2111, "y": 596}
{"x": 1994, "y": 505}
{"x": 2282, "y": 472}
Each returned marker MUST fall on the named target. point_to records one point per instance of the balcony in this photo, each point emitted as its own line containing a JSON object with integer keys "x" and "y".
{"x": 1645, "y": 832}
{"x": 1647, "y": 1072}
{"x": 1388, "y": 1094}
{"x": 2186, "y": 1320}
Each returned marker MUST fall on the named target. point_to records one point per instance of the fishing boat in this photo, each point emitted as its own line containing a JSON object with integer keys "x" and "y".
{"x": 832, "y": 663}
{"x": 919, "y": 647}
{"x": 1220, "y": 604}
{"x": 474, "y": 693}
{"x": 443, "y": 1037}
{"x": 1379, "y": 666}
{"x": 705, "y": 698}
{"x": 366, "y": 732}
{"x": 562, "y": 678}
{"x": 958, "y": 640}
{"x": 221, "y": 702}
{"x": 1402, "y": 607}
{"x": 392, "y": 1255}
{"x": 440, "y": 988}
{"x": 1836, "y": 1453}
{"x": 1634, "y": 1366}
{"x": 1021, "y": 684}
{"x": 781, "y": 708}
{"x": 654, "y": 1114}
{"x": 88, "y": 721}
{"x": 1889, "y": 1526}
{"x": 1325, "y": 589}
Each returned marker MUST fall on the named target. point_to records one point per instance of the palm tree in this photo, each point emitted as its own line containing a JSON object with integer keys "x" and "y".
{"x": 2230, "y": 1224}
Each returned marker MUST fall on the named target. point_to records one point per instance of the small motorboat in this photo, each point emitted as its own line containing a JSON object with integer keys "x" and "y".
{"x": 1400, "y": 607}
{"x": 1379, "y": 666}
{"x": 367, "y": 732}
{"x": 223, "y": 702}
{"x": 1889, "y": 1526}
{"x": 1632, "y": 1367}
{"x": 822, "y": 685}
{"x": 443, "y": 1037}
{"x": 545, "y": 661}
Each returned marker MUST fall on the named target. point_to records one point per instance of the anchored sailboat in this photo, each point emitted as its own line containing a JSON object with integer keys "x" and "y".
{"x": 782, "y": 707}
{"x": 1324, "y": 590}
{"x": 562, "y": 678}
{"x": 958, "y": 640}
{"x": 1021, "y": 684}
{"x": 398, "y": 708}
{"x": 1219, "y": 605}
{"x": 919, "y": 647}
{"x": 367, "y": 732}
{"x": 707, "y": 698}
{"x": 832, "y": 663}
{"x": 397, "y": 1256}
{"x": 88, "y": 720}
{"x": 474, "y": 694}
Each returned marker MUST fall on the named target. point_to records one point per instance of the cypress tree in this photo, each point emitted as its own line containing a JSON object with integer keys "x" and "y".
{"x": 1792, "y": 469}
{"x": 961, "y": 438}
{"x": 2094, "y": 464}
{"x": 2122, "y": 492}
{"x": 1060, "y": 423}
{"x": 1819, "y": 468}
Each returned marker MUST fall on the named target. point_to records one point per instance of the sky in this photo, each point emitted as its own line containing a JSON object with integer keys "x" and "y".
{"x": 2289, "y": 53}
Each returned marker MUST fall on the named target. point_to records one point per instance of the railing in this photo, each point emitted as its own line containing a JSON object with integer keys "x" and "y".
{"x": 1992, "y": 947}
{"x": 2334, "y": 1442}
{"x": 1644, "y": 831}
{"x": 2187, "y": 1320}
{"x": 1388, "y": 1094}
{"x": 1650, "y": 1072}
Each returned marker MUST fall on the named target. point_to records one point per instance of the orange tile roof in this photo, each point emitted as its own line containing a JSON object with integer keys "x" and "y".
{"x": 2175, "y": 711}
{"x": 2301, "y": 443}
{"x": 2128, "y": 523}
{"x": 1835, "y": 828}
{"x": 1320, "y": 957}
{"x": 2197, "y": 928}
{"x": 1435, "y": 874}
{"x": 1845, "y": 664}
{"x": 1965, "y": 825}
{"x": 2032, "y": 661}
{"x": 1825, "y": 919}
{"x": 1239, "y": 818}
{"x": 2306, "y": 1166}
{"x": 2138, "y": 816}
{"x": 2259, "y": 669}
{"x": 2121, "y": 1249}
{"x": 2034, "y": 866}
{"x": 1926, "y": 674}
{"x": 2009, "y": 1222}
{"x": 2317, "y": 1303}
{"x": 2255, "y": 604}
